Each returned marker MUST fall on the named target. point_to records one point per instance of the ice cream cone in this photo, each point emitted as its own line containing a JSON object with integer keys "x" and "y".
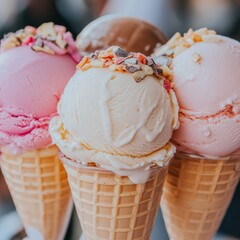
{"x": 39, "y": 188}
{"x": 196, "y": 195}
{"x": 110, "y": 206}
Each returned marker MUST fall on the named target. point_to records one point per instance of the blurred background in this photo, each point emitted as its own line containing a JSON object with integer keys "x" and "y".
{"x": 169, "y": 16}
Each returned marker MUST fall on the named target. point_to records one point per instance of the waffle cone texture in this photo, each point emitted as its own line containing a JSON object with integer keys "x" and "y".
{"x": 38, "y": 184}
{"x": 111, "y": 207}
{"x": 196, "y": 195}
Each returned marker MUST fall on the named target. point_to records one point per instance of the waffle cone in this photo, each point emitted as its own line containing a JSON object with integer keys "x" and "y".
{"x": 196, "y": 195}
{"x": 111, "y": 207}
{"x": 38, "y": 184}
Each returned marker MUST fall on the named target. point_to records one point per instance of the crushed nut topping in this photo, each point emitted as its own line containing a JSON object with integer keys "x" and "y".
{"x": 178, "y": 43}
{"x": 117, "y": 59}
{"x": 196, "y": 58}
{"x": 47, "y": 38}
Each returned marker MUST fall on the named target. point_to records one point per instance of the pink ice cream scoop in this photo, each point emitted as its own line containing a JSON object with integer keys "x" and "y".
{"x": 35, "y": 65}
{"x": 207, "y": 85}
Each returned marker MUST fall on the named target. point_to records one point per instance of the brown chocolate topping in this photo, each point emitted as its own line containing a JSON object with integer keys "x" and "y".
{"x": 131, "y": 34}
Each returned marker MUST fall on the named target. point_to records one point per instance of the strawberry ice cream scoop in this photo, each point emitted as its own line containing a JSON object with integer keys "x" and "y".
{"x": 35, "y": 65}
{"x": 207, "y": 85}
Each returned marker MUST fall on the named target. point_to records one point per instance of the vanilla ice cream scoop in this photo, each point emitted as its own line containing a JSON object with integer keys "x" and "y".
{"x": 117, "y": 104}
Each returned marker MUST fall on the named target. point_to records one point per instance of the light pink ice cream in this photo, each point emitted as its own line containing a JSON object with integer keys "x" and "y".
{"x": 31, "y": 84}
{"x": 207, "y": 85}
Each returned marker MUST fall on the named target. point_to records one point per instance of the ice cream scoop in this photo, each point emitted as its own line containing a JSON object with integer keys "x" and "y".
{"x": 205, "y": 170}
{"x": 206, "y": 78}
{"x": 35, "y": 65}
{"x": 117, "y": 111}
{"x": 130, "y": 33}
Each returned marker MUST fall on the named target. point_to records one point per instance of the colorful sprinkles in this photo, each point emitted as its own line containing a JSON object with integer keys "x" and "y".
{"x": 117, "y": 59}
{"x": 47, "y": 38}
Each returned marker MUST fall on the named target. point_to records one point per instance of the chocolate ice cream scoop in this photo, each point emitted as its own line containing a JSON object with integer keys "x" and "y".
{"x": 132, "y": 34}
